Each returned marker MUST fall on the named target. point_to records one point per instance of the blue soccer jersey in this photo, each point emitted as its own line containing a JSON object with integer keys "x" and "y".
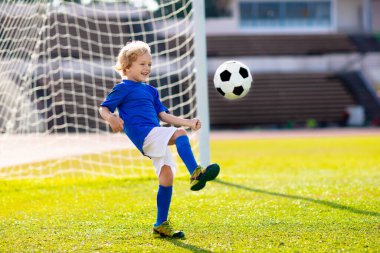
{"x": 138, "y": 105}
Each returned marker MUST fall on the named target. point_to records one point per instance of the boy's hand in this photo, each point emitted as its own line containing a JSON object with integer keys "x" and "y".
{"x": 195, "y": 124}
{"x": 116, "y": 123}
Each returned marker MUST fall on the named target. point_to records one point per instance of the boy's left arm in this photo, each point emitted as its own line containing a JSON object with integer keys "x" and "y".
{"x": 194, "y": 124}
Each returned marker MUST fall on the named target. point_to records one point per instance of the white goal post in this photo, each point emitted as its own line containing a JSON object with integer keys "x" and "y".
{"x": 56, "y": 67}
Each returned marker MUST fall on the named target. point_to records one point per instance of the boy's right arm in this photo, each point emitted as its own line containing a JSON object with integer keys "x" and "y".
{"x": 116, "y": 123}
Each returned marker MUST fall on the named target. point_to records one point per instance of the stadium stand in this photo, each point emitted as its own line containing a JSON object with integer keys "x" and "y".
{"x": 277, "y": 99}
{"x": 90, "y": 45}
{"x": 258, "y": 45}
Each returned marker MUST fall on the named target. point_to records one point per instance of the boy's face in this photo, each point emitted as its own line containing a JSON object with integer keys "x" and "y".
{"x": 140, "y": 69}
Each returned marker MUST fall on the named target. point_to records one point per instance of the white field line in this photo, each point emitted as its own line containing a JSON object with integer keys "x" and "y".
{"x": 20, "y": 149}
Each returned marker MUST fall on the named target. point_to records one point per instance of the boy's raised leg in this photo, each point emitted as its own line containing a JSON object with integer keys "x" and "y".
{"x": 184, "y": 150}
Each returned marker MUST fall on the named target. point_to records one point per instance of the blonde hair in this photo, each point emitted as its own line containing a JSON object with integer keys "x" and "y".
{"x": 129, "y": 54}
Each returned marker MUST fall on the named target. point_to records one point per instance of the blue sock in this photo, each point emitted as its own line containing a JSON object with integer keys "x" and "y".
{"x": 184, "y": 150}
{"x": 164, "y": 197}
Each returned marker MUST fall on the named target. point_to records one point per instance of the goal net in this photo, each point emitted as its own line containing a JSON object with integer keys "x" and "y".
{"x": 56, "y": 67}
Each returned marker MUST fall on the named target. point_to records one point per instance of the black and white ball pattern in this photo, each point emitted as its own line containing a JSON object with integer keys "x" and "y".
{"x": 233, "y": 79}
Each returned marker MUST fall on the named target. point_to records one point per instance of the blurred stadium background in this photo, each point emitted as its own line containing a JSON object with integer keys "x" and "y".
{"x": 315, "y": 64}
{"x": 316, "y": 71}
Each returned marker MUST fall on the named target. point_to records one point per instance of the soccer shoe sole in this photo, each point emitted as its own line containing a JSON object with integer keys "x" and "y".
{"x": 212, "y": 171}
{"x": 179, "y": 235}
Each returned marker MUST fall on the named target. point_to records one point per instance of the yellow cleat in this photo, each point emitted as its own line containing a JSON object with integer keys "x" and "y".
{"x": 166, "y": 230}
{"x": 200, "y": 176}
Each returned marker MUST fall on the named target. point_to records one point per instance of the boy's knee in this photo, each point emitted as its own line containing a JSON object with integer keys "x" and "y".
{"x": 166, "y": 176}
{"x": 179, "y": 132}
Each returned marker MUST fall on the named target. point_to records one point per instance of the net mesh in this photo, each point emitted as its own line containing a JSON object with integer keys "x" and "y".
{"x": 56, "y": 67}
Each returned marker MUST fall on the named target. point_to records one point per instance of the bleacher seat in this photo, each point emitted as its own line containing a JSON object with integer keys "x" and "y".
{"x": 258, "y": 45}
{"x": 276, "y": 99}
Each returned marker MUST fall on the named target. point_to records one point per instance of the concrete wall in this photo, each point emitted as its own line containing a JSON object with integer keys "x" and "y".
{"x": 349, "y": 15}
{"x": 375, "y": 15}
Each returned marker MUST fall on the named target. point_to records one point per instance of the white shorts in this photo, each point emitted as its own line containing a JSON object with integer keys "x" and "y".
{"x": 156, "y": 147}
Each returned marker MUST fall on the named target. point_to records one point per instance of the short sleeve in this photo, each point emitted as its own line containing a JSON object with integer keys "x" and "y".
{"x": 158, "y": 105}
{"x": 114, "y": 98}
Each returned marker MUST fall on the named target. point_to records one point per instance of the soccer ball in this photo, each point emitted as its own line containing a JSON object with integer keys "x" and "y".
{"x": 232, "y": 80}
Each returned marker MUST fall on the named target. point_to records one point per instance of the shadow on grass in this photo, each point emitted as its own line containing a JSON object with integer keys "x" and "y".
{"x": 190, "y": 247}
{"x": 317, "y": 201}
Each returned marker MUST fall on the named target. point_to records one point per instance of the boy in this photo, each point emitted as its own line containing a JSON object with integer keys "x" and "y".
{"x": 140, "y": 111}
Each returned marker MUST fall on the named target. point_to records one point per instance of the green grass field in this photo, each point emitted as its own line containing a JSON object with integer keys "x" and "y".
{"x": 273, "y": 195}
